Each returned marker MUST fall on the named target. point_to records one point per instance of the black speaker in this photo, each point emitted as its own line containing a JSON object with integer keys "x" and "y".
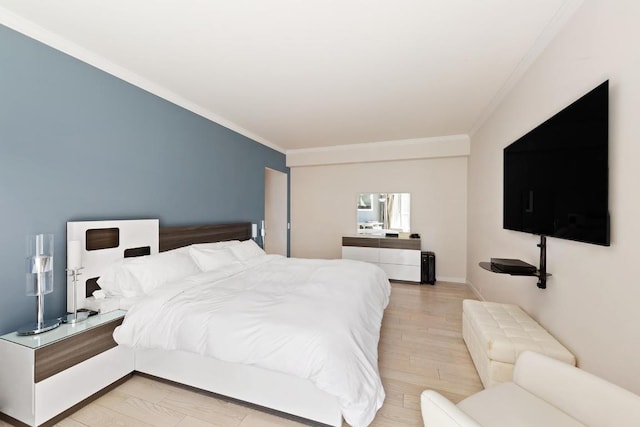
{"x": 428, "y": 268}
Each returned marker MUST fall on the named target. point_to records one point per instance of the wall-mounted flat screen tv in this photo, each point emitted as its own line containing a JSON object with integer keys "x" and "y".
{"x": 556, "y": 177}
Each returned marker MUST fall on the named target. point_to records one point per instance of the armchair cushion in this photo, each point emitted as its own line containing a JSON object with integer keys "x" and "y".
{"x": 544, "y": 392}
{"x": 588, "y": 398}
{"x": 438, "y": 411}
{"x": 509, "y": 405}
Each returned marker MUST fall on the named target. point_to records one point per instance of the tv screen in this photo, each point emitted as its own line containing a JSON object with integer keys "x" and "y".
{"x": 556, "y": 177}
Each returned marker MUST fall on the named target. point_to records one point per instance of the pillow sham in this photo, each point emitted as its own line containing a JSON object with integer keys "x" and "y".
{"x": 152, "y": 271}
{"x": 246, "y": 250}
{"x": 118, "y": 281}
{"x": 209, "y": 259}
{"x": 215, "y": 245}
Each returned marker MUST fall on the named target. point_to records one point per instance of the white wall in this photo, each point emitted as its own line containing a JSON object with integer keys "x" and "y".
{"x": 323, "y": 206}
{"x": 591, "y": 302}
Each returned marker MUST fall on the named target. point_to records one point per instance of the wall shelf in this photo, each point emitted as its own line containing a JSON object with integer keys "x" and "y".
{"x": 540, "y": 273}
{"x": 487, "y": 266}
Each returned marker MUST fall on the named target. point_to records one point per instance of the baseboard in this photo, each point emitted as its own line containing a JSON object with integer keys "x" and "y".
{"x": 451, "y": 279}
{"x": 475, "y": 291}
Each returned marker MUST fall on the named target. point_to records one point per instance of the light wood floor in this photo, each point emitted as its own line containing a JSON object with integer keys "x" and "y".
{"x": 421, "y": 347}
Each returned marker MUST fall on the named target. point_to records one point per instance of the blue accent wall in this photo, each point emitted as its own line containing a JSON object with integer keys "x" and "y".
{"x": 77, "y": 143}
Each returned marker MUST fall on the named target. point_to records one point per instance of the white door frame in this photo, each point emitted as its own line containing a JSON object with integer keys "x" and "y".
{"x": 276, "y": 204}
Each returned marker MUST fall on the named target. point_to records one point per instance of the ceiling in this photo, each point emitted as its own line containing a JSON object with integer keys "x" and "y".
{"x": 298, "y": 74}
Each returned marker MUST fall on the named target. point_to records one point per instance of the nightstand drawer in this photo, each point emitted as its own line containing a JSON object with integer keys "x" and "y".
{"x": 47, "y": 374}
{"x": 64, "y": 390}
{"x": 58, "y": 356}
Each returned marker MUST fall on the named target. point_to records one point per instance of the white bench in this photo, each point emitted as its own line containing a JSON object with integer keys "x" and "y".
{"x": 496, "y": 334}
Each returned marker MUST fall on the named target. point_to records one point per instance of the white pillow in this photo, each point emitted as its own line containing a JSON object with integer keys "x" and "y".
{"x": 152, "y": 271}
{"x": 118, "y": 281}
{"x": 210, "y": 259}
{"x": 215, "y": 245}
{"x": 246, "y": 250}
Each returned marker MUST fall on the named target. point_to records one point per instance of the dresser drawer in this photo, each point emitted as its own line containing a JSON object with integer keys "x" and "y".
{"x": 365, "y": 242}
{"x": 400, "y": 256}
{"x": 409, "y": 273}
{"x": 394, "y": 243}
{"x": 360, "y": 254}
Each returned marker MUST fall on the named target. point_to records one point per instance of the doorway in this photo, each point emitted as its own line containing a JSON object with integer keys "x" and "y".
{"x": 275, "y": 212}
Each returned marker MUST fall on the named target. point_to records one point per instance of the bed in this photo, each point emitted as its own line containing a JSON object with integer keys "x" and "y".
{"x": 295, "y": 336}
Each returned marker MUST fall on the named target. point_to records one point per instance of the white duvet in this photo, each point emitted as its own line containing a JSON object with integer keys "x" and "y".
{"x": 315, "y": 319}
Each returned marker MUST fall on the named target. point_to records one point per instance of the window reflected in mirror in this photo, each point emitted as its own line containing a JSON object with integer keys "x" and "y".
{"x": 380, "y": 213}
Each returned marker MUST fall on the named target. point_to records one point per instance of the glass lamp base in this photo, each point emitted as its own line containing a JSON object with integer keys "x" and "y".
{"x": 38, "y": 328}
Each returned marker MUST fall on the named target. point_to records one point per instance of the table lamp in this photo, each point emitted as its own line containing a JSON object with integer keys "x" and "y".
{"x": 74, "y": 265}
{"x": 39, "y": 266}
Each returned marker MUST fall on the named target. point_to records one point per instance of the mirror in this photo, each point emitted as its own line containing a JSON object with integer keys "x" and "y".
{"x": 379, "y": 213}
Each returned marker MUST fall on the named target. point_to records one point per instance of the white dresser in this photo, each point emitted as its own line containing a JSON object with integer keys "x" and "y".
{"x": 398, "y": 257}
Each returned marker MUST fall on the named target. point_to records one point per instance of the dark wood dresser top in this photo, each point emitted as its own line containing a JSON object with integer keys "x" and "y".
{"x": 368, "y": 241}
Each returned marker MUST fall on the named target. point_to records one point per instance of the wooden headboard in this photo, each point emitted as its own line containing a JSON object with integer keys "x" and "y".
{"x": 177, "y": 237}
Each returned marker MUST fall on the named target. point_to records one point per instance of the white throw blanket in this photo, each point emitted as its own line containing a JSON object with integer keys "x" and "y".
{"x": 315, "y": 319}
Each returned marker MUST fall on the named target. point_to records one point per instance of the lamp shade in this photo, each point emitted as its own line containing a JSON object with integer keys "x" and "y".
{"x": 74, "y": 255}
{"x": 39, "y": 272}
{"x": 39, "y": 264}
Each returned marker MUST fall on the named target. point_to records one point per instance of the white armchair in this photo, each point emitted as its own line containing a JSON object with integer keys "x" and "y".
{"x": 544, "y": 392}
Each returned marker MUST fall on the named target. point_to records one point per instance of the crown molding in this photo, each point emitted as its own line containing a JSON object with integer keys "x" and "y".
{"x": 405, "y": 149}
